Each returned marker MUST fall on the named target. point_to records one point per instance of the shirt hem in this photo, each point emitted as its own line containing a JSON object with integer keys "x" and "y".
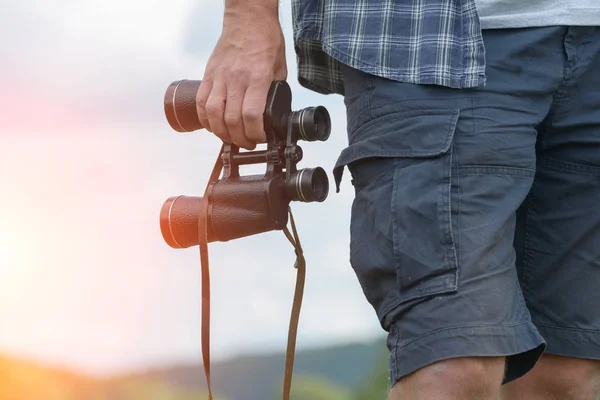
{"x": 455, "y": 81}
{"x": 577, "y": 17}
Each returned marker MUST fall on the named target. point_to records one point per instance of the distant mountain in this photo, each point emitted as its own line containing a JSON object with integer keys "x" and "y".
{"x": 23, "y": 380}
{"x": 331, "y": 373}
{"x": 260, "y": 377}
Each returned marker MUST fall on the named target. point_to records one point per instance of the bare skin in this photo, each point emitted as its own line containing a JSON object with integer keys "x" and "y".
{"x": 248, "y": 57}
{"x": 557, "y": 378}
{"x": 469, "y": 378}
{"x": 479, "y": 378}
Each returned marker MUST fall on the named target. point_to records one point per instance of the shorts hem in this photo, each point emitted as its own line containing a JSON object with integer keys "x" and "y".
{"x": 521, "y": 343}
{"x": 571, "y": 342}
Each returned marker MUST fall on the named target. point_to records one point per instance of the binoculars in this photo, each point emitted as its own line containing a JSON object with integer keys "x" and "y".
{"x": 240, "y": 206}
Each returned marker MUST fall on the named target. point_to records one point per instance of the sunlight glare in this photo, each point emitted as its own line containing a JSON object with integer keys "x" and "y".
{"x": 5, "y": 255}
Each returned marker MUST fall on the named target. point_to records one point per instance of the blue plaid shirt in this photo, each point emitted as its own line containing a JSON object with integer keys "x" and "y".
{"x": 414, "y": 41}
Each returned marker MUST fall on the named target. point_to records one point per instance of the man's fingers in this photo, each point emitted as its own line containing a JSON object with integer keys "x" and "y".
{"x": 234, "y": 114}
{"x": 253, "y": 109}
{"x": 201, "y": 98}
{"x": 215, "y": 111}
{"x": 233, "y": 117}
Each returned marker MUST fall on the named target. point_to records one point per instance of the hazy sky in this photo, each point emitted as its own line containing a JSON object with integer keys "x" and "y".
{"x": 86, "y": 161}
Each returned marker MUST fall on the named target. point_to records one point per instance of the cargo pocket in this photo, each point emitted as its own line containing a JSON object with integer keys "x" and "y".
{"x": 421, "y": 145}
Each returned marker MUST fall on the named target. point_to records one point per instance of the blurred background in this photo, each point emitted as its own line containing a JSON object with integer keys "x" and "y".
{"x": 93, "y": 303}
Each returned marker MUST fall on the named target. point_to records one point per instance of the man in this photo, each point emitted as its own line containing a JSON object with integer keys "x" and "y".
{"x": 474, "y": 149}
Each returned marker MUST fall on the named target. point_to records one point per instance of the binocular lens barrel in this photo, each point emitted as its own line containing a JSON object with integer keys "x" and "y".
{"x": 308, "y": 185}
{"x": 180, "y": 105}
{"x": 179, "y": 221}
{"x": 179, "y": 214}
{"x": 314, "y": 124}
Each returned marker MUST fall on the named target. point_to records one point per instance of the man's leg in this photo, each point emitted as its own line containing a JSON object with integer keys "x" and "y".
{"x": 438, "y": 175}
{"x": 557, "y": 378}
{"x": 470, "y": 378}
{"x": 558, "y": 235}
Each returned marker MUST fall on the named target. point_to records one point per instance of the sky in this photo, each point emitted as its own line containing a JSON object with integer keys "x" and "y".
{"x": 87, "y": 160}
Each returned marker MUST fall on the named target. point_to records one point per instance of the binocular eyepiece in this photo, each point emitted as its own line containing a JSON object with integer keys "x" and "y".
{"x": 240, "y": 206}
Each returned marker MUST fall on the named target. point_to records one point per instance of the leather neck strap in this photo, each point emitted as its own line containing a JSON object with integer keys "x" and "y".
{"x": 300, "y": 265}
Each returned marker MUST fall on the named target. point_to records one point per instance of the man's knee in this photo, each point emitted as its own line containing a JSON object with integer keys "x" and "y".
{"x": 568, "y": 377}
{"x": 458, "y": 378}
{"x": 556, "y": 377}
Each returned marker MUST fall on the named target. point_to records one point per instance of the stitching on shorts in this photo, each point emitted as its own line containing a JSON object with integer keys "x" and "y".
{"x": 450, "y": 328}
{"x": 496, "y": 170}
{"x": 398, "y": 335}
{"x": 458, "y": 230}
{"x": 395, "y": 250}
{"x": 523, "y": 310}
{"x": 567, "y": 328}
{"x": 451, "y": 124}
{"x": 454, "y": 256}
{"x": 566, "y": 166}
{"x": 449, "y": 284}
{"x": 527, "y": 256}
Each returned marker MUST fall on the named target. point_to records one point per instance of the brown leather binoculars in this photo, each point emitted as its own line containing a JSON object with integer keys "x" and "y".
{"x": 240, "y": 206}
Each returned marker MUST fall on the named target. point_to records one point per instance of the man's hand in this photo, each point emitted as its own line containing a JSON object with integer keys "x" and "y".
{"x": 248, "y": 57}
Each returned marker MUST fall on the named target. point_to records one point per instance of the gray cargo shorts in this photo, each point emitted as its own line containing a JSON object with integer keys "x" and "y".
{"x": 475, "y": 228}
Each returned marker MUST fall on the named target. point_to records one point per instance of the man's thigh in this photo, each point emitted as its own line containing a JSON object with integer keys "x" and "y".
{"x": 438, "y": 175}
{"x": 558, "y": 240}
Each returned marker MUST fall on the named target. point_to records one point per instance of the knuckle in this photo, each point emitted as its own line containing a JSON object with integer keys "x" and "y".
{"x": 252, "y": 114}
{"x": 213, "y": 108}
{"x": 232, "y": 120}
{"x": 201, "y": 108}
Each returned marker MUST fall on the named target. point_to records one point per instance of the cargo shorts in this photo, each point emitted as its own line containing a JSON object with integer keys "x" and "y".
{"x": 475, "y": 226}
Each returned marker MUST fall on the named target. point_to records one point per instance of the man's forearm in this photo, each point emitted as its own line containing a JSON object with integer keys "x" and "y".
{"x": 267, "y": 7}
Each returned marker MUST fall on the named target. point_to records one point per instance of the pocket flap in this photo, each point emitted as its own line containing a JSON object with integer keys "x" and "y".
{"x": 412, "y": 134}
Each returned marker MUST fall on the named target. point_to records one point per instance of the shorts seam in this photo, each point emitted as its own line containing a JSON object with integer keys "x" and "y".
{"x": 364, "y": 125}
{"x": 457, "y": 242}
{"x": 495, "y": 170}
{"x": 519, "y": 341}
{"x": 450, "y": 226}
{"x": 566, "y": 166}
{"x": 458, "y": 327}
{"x": 527, "y": 255}
{"x": 398, "y": 337}
{"x": 566, "y": 328}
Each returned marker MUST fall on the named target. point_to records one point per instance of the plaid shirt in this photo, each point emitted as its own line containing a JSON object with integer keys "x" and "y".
{"x": 414, "y": 41}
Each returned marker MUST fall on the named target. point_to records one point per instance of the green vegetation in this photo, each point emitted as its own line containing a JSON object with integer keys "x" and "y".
{"x": 350, "y": 372}
{"x": 377, "y": 386}
{"x": 314, "y": 388}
